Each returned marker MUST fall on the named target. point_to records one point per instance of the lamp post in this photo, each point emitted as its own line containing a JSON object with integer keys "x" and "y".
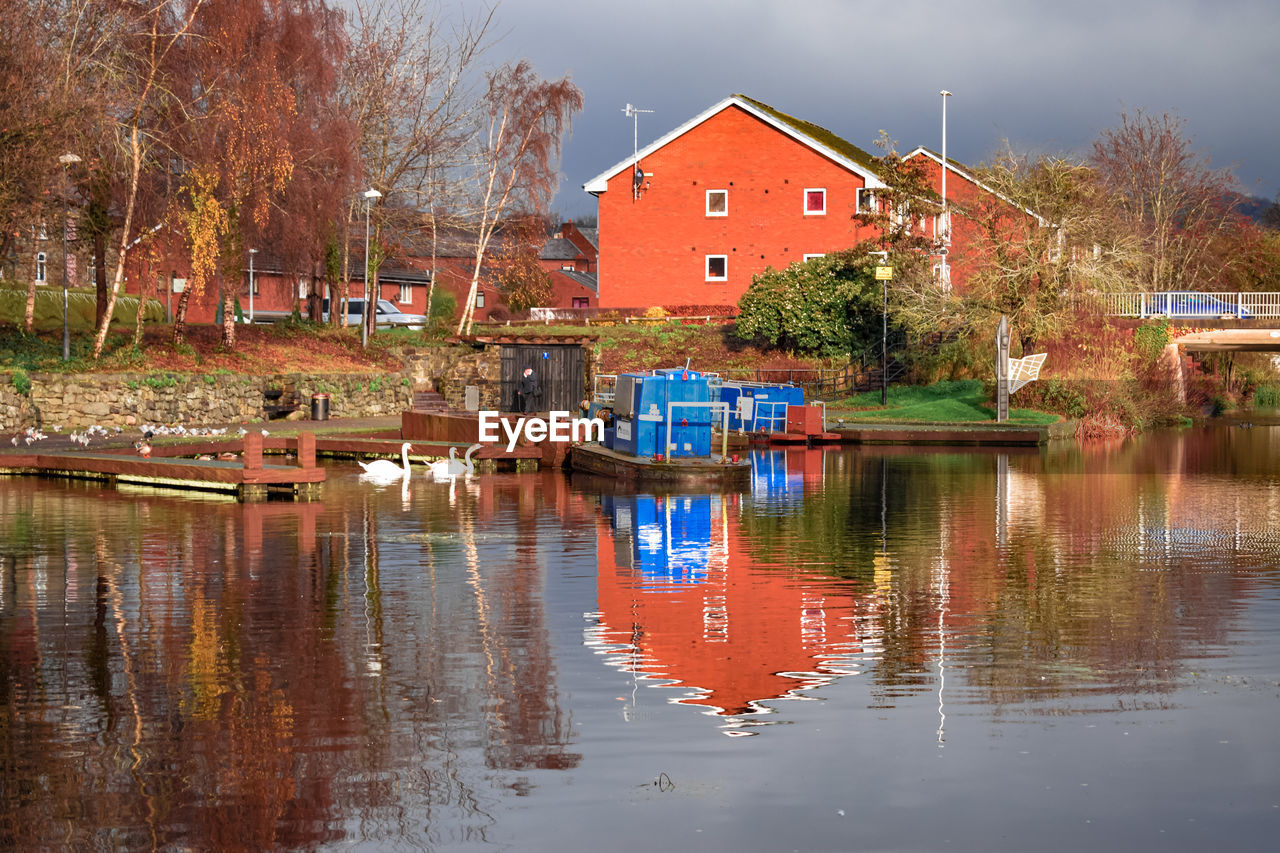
{"x": 370, "y": 196}
{"x": 884, "y": 322}
{"x": 252, "y": 252}
{"x": 944, "y": 273}
{"x": 66, "y": 160}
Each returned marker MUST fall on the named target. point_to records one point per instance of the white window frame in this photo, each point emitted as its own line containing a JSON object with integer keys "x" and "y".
{"x": 405, "y": 296}
{"x": 479, "y": 298}
{"x": 42, "y": 268}
{"x": 724, "y": 194}
{"x": 942, "y": 227}
{"x": 805, "y": 201}
{"x": 707, "y": 268}
{"x": 865, "y": 201}
{"x": 808, "y": 256}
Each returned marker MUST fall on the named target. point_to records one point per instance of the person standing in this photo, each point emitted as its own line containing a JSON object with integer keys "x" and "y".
{"x": 527, "y": 392}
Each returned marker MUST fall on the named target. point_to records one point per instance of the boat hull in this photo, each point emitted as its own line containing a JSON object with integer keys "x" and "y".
{"x": 594, "y": 459}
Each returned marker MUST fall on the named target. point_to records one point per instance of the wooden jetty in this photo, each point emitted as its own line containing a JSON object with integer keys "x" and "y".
{"x": 248, "y": 477}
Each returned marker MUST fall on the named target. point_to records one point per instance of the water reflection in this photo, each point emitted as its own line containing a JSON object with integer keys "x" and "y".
{"x": 243, "y": 676}
{"x": 403, "y": 665}
{"x": 682, "y": 603}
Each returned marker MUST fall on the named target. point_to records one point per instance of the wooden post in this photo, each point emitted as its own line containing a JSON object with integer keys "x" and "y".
{"x": 253, "y": 451}
{"x": 306, "y": 450}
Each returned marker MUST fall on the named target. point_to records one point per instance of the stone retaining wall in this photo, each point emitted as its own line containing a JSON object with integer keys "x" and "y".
{"x": 76, "y": 401}
{"x": 124, "y": 399}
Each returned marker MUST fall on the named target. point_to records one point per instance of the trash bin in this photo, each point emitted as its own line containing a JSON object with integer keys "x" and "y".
{"x": 319, "y": 407}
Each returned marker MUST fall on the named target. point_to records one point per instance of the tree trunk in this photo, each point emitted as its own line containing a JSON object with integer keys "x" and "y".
{"x": 180, "y": 316}
{"x": 100, "y": 275}
{"x": 31, "y": 302}
{"x": 228, "y": 316}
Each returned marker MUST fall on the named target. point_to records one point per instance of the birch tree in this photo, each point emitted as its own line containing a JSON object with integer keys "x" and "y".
{"x": 516, "y": 171}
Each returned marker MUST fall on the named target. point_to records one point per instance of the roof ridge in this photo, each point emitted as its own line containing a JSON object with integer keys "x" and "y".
{"x": 818, "y": 133}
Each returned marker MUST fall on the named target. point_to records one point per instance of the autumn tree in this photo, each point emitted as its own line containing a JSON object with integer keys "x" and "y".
{"x": 524, "y": 122}
{"x": 518, "y": 273}
{"x": 36, "y": 127}
{"x": 1170, "y": 199}
{"x": 900, "y": 210}
{"x": 249, "y": 63}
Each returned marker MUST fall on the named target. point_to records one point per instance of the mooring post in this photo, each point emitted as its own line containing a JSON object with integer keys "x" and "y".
{"x": 306, "y": 450}
{"x": 253, "y": 451}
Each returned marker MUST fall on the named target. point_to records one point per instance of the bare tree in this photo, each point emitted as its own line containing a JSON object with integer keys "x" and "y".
{"x": 1169, "y": 197}
{"x": 405, "y": 87}
{"x": 1045, "y": 234}
{"x": 517, "y": 164}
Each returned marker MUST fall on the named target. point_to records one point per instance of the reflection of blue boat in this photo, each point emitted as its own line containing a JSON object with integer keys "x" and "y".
{"x": 670, "y": 535}
{"x": 769, "y": 475}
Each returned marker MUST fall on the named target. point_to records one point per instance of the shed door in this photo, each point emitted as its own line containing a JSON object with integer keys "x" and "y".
{"x": 561, "y": 370}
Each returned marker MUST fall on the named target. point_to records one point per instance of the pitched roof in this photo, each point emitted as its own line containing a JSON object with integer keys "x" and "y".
{"x": 589, "y": 280}
{"x": 958, "y": 168}
{"x": 559, "y": 249}
{"x": 806, "y": 133}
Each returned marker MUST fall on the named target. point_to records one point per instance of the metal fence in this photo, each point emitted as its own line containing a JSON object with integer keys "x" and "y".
{"x": 1184, "y": 304}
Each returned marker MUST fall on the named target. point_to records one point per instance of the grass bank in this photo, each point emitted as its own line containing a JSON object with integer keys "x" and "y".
{"x": 956, "y": 401}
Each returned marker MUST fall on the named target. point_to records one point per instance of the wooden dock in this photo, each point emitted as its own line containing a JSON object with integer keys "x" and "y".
{"x": 247, "y": 476}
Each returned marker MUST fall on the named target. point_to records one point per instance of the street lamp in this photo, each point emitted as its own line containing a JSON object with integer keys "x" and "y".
{"x": 370, "y": 196}
{"x": 944, "y": 273}
{"x": 884, "y": 327}
{"x": 66, "y": 160}
{"x": 252, "y": 252}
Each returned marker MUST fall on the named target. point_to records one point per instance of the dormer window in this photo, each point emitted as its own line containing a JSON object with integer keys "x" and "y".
{"x": 815, "y": 202}
{"x": 717, "y": 202}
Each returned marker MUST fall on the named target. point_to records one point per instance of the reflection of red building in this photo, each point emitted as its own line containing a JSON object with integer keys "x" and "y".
{"x": 680, "y": 599}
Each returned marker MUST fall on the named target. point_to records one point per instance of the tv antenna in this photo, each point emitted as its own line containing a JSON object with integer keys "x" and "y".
{"x": 637, "y": 177}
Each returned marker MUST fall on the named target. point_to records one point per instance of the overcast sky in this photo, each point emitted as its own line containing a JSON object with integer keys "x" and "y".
{"x": 1045, "y": 76}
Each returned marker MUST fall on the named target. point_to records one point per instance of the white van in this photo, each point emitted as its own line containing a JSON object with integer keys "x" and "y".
{"x": 387, "y": 314}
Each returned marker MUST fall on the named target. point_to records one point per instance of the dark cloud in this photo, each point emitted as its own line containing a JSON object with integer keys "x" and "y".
{"x": 1044, "y": 76}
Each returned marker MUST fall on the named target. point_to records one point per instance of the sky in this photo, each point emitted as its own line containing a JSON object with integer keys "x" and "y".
{"x": 1041, "y": 77}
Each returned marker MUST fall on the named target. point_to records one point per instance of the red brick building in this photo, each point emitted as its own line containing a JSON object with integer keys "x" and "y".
{"x": 737, "y": 189}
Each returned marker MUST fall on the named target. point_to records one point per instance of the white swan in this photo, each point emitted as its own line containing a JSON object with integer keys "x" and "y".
{"x": 442, "y": 469}
{"x": 385, "y": 469}
{"x": 458, "y": 467}
{"x": 448, "y": 469}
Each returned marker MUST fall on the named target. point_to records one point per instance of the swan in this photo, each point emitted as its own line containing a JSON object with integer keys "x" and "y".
{"x": 385, "y": 469}
{"x": 442, "y": 469}
{"x": 458, "y": 467}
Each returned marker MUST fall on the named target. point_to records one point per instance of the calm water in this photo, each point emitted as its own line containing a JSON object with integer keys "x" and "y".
{"x": 874, "y": 649}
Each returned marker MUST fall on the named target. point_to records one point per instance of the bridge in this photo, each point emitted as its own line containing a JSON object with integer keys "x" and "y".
{"x": 1239, "y": 318}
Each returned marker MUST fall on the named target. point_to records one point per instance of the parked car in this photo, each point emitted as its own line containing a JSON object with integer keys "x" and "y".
{"x": 1191, "y": 303}
{"x": 386, "y": 314}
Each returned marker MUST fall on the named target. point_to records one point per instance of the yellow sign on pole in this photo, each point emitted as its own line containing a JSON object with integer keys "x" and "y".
{"x": 884, "y": 273}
